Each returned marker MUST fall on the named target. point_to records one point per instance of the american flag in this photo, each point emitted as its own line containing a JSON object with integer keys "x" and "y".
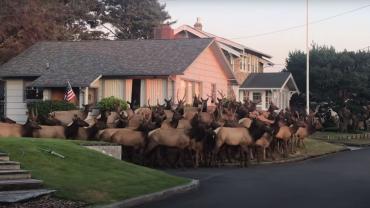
{"x": 69, "y": 93}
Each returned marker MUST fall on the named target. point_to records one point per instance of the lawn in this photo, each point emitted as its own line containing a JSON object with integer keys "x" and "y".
{"x": 85, "y": 175}
{"x": 343, "y": 138}
{"x": 313, "y": 147}
{"x": 316, "y": 147}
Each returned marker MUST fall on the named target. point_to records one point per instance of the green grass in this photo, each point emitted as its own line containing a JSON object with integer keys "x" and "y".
{"x": 85, "y": 175}
{"x": 316, "y": 147}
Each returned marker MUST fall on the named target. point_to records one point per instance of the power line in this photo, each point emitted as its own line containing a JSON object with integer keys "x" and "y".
{"x": 303, "y": 25}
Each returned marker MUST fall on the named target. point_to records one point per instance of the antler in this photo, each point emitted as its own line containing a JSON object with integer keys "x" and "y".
{"x": 221, "y": 94}
{"x": 183, "y": 98}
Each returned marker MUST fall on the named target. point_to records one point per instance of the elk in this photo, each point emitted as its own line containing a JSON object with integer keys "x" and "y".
{"x": 168, "y": 138}
{"x": 196, "y": 101}
{"x": 62, "y": 132}
{"x": 261, "y": 134}
{"x": 66, "y": 117}
{"x": 168, "y": 104}
{"x": 144, "y": 111}
{"x": 18, "y": 130}
{"x": 306, "y": 129}
{"x": 6, "y": 120}
{"x": 234, "y": 137}
{"x": 48, "y": 120}
{"x": 134, "y": 138}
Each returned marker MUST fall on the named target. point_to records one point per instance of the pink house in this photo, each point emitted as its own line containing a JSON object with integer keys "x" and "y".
{"x": 139, "y": 71}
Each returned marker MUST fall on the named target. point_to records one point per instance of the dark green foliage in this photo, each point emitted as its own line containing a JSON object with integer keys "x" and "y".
{"x": 334, "y": 76}
{"x": 112, "y": 104}
{"x": 24, "y": 22}
{"x": 134, "y": 19}
{"x": 48, "y": 106}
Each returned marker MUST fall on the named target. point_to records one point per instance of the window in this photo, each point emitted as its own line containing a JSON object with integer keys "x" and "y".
{"x": 232, "y": 62}
{"x": 243, "y": 63}
{"x": 249, "y": 63}
{"x": 257, "y": 98}
{"x": 32, "y": 93}
{"x": 253, "y": 64}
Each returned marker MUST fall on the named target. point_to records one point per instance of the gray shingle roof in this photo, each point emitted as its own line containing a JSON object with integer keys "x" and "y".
{"x": 84, "y": 61}
{"x": 265, "y": 80}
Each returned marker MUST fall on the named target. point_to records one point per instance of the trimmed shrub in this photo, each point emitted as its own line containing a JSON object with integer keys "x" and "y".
{"x": 112, "y": 103}
{"x": 47, "y": 106}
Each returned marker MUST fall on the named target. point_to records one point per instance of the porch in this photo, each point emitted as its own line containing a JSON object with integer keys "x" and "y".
{"x": 265, "y": 88}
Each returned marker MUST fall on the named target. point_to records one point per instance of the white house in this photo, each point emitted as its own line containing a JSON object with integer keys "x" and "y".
{"x": 264, "y": 88}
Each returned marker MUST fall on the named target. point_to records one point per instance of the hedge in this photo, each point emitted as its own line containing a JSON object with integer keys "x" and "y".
{"x": 47, "y": 106}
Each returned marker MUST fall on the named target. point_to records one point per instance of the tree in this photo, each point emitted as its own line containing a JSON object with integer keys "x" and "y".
{"x": 24, "y": 22}
{"x": 133, "y": 19}
{"x": 334, "y": 76}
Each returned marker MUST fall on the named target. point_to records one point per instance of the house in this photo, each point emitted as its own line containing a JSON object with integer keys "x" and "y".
{"x": 243, "y": 60}
{"x": 134, "y": 70}
{"x": 264, "y": 88}
{"x": 248, "y": 66}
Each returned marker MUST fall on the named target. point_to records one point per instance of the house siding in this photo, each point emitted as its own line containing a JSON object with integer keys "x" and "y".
{"x": 207, "y": 70}
{"x": 16, "y": 108}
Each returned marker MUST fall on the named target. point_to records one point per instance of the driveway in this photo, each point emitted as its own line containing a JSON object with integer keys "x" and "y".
{"x": 340, "y": 180}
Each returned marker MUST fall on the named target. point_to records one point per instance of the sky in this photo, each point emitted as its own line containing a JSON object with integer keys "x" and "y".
{"x": 243, "y": 21}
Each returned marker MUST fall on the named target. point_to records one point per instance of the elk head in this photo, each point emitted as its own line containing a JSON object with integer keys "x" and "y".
{"x": 196, "y": 101}
{"x": 132, "y": 105}
{"x": 168, "y": 103}
{"x": 146, "y": 125}
{"x": 204, "y": 104}
{"x": 79, "y": 122}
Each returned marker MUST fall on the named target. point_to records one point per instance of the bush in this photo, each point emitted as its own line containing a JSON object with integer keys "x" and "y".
{"x": 112, "y": 103}
{"x": 47, "y": 106}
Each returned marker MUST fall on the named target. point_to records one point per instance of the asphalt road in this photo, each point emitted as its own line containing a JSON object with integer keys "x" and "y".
{"x": 340, "y": 180}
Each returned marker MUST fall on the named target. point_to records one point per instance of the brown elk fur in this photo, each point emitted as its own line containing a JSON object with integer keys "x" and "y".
{"x": 61, "y": 132}
{"x": 18, "y": 130}
{"x": 129, "y": 137}
{"x": 50, "y": 132}
{"x": 168, "y": 137}
{"x": 233, "y": 137}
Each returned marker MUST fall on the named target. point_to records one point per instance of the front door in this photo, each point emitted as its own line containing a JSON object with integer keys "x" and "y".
{"x": 136, "y": 89}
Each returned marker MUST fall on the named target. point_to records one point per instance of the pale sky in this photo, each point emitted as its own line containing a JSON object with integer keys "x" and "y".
{"x": 235, "y": 19}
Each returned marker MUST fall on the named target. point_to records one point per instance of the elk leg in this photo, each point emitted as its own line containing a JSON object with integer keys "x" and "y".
{"x": 227, "y": 148}
{"x": 285, "y": 150}
{"x": 245, "y": 150}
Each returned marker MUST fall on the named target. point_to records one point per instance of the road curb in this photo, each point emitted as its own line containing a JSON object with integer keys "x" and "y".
{"x": 303, "y": 158}
{"x": 194, "y": 184}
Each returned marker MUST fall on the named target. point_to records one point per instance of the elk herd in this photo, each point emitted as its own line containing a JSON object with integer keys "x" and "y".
{"x": 207, "y": 133}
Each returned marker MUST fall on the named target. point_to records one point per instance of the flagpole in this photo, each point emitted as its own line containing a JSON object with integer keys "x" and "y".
{"x": 307, "y": 64}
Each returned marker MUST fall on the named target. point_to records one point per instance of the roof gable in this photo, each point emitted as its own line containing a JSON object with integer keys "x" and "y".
{"x": 268, "y": 81}
{"x": 203, "y": 34}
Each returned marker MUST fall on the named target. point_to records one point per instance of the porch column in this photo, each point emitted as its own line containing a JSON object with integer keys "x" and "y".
{"x": 86, "y": 96}
{"x": 263, "y": 100}
{"x": 80, "y": 98}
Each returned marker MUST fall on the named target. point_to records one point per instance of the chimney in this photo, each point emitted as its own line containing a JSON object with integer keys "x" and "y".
{"x": 198, "y": 25}
{"x": 163, "y": 31}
